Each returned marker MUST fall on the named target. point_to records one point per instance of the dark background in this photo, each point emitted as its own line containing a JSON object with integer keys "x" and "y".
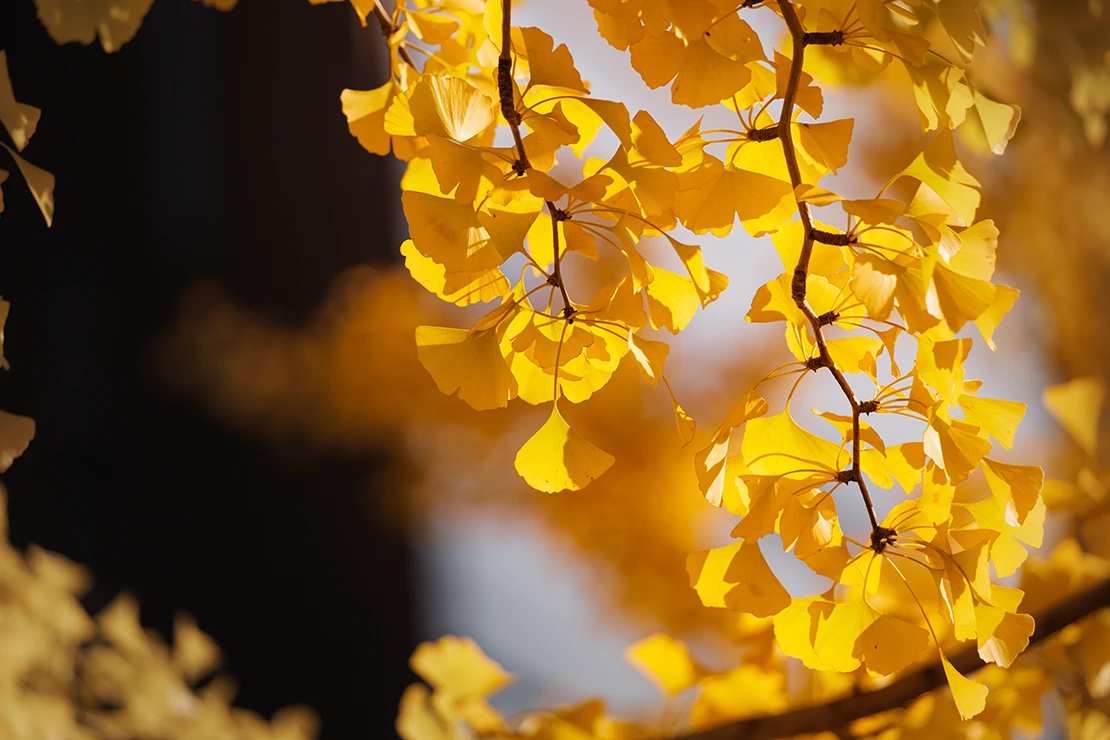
{"x": 212, "y": 146}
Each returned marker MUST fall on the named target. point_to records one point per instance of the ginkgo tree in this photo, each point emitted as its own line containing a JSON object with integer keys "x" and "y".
{"x": 883, "y": 293}
{"x": 917, "y": 269}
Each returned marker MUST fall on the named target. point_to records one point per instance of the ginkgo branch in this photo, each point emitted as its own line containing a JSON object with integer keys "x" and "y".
{"x": 801, "y": 271}
{"x": 558, "y": 215}
{"x": 505, "y": 85}
{"x": 823, "y": 38}
{"x": 828, "y": 237}
{"x": 388, "y": 29}
{"x": 841, "y": 712}
{"x": 522, "y": 165}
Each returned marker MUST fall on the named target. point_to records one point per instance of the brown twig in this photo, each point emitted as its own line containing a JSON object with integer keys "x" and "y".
{"x": 820, "y": 717}
{"x": 801, "y": 270}
{"x": 505, "y": 85}
{"x": 522, "y": 165}
{"x": 386, "y": 24}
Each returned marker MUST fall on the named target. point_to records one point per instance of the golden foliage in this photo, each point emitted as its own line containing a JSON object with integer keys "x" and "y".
{"x": 67, "y": 674}
{"x": 517, "y": 226}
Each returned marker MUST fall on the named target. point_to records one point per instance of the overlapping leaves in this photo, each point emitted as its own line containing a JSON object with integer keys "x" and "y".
{"x": 898, "y": 284}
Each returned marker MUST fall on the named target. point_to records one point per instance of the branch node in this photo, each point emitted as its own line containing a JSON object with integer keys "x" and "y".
{"x": 881, "y": 538}
{"x": 869, "y": 407}
{"x": 816, "y": 363}
{"x": 827, "y": 318}
{"x": 830, "y": 237}
{"x": 769, "y": 133}
{"x": 823, "y": 38}
{"x": 848, "y": 475}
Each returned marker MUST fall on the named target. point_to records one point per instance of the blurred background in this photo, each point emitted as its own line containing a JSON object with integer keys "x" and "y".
{"x": 215, "y": 339}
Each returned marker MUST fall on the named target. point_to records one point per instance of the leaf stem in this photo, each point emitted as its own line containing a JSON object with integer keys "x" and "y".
{"x": 557, "y": 275}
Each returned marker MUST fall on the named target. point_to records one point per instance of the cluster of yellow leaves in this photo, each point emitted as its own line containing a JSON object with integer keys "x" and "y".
{"x": 461, "y": 676}
{"x": 919, "y": 270}
{"x": 877, "y": 634}
{"x": 20, "y": 121}
{"x": 114, "y": 22}
{"x": 482, "y": 214}
{"x": 70, "y": 676}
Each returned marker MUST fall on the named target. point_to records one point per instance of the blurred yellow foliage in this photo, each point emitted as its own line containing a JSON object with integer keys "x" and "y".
{"x": 67, "y": 675}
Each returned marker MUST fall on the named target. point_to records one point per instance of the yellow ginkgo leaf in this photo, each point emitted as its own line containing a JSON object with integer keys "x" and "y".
{"x": 776, "y": 445}
{"x": 116, "y": 21}
{"x": 685, "y": 423}
{"x": 808, "y": 527}
{"x": 458, "y": 666}
{"x": 890, "y": 644}
{"x": 1077, "y": 406}
{"x": 365, "y": 112}
{"x": 462, "y": 289}
{"x": 713, "y": 195}
{"x": 808, "y": 97}
{"x": 940, "y": 365}
{"x": 195, "y": 654}
{"x": 16, "y": 432}
{"x": 19, "y": 119}
{"x": 998, "y": 418}
{"x": 1007, "y": 551}
{"x": 649, "y": 356}
{"x": 706, "y": 68}
{"x": 1002, "y": 636}
{"x": 431, "y": 28}
{"x": 761, "y": 498}
{"x": 855, "y": 354}
{"x": 991, "y": 124}
{"x": 874, "y": 281}
{"x": 1019, "y": 484}
{"x": 449, "y": 233}
{"x": 960, "y": 19}
{"x": 988, "y": 321}
{"x": 825, "y": 145}
{"x": 443, "y": 106}
{"x": 549, "y": 65}
{"x": 745, "y": 691}
{"x": 737, "y": 577}
{"x": 710, "y": 463}
{"x": 672, "y": 300}
{"x": 796, "y": 628}
{"x": 666, "y": 661}
{"x": 557, "y": 458}
{"x": 938, "y": 169}
{"x": 469, "y": 362}
{"x": 416, "y": 720}
{"x": 39, "y": 181}
{"x": 875, "y": 211}
{"x": 956, "y": 450}
{"x": 970, "y": 696}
